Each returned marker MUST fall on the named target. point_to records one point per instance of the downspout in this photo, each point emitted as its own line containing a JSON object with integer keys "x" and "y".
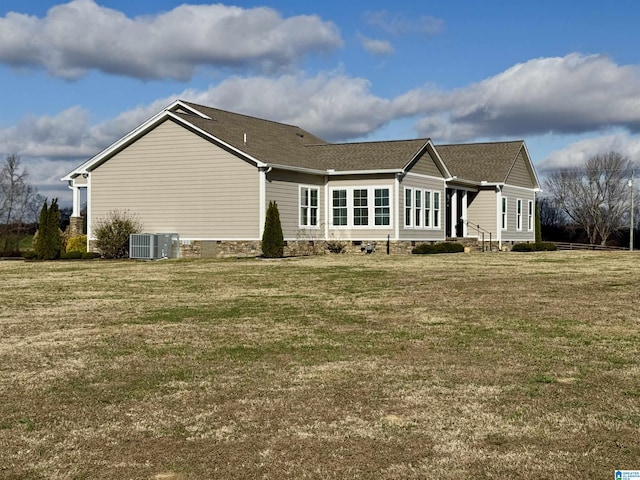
{"x": 262, "y": 198}
{"x": 499, "y": 218}
{"x": 396, "y": 225}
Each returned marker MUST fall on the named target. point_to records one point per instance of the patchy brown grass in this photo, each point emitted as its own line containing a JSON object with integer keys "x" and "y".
{"x": 371, "y": 367}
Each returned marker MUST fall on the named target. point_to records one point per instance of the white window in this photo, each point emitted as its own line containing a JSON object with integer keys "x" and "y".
{"x": 503, "y": 224}
{"x": 427, "y": 209}
{"x": 309, "y": 206}
{"x": 422, "y": 208}
{"x": 408, "y": 196}
{"x": 361, "y": 207}
{"x": 518, "y": 214}
{"x": 340, "y": 209}
{"x": 530, "y": 215}
{"x": 382, "y": 208}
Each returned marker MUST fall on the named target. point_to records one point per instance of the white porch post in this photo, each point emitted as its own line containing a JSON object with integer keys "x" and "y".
{"x": 454, "y": 212}
{"x": 76, "y": 201}
{"x": 463, "y": 214}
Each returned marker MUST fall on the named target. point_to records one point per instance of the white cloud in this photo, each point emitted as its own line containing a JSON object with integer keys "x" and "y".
{"x": 578, "y": 152}
{"x": 571, "y": 94}
{"x": 376, "y": 47}
{"x": 80, "y": 36}
{"x": 398, "y": 24}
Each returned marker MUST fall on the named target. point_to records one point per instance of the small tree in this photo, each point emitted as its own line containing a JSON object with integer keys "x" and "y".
{"x": 112, "y": 234}
{"x": 538, "y": 225}
{"x": 47, "y": 242}
{"x": 272, "y": 239}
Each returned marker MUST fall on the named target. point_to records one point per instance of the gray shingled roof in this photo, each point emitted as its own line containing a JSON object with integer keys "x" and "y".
{"x": 491, "y": 162}
{"x": 281, "y": 144}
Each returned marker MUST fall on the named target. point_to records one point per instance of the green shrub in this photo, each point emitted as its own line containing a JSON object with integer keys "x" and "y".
{"x": 72, "y": 255}
{"x": 524, "y": 247}
{"x": 112, "y": 234}
{"x": 90, "y": 255}
{"x": 77, "y": 244}
{"x": 272, "y": 238}
{"x": 445, "y": 247}
{"x": 534, "y": 247}
{"x": 29, "y": 255}
{"x": 47, "y": 241}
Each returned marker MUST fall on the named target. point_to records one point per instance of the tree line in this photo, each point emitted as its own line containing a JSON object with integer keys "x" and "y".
{"x": 590, "y": 202}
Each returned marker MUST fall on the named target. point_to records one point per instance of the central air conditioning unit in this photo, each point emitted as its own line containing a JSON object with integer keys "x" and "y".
{"x": 154, "y": 246}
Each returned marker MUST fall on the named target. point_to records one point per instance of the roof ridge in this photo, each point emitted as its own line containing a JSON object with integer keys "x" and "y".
{"x": 477, "y": 143}
{"x": 368, "y": 142}
{"x": 253, "y": 117}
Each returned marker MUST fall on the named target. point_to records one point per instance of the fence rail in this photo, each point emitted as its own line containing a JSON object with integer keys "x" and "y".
{"x": 587, "y": 246}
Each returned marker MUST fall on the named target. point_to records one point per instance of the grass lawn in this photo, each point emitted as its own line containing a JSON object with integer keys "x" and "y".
{"x": 343, "y": 366}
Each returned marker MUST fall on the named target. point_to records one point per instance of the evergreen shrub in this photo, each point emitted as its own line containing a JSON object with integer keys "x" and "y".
{"x": 272, "y": 238}
{"x": 445, "y": 247}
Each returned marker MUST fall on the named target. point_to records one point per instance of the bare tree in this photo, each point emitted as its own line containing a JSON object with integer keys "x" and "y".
{"x": 595, "y": 196}
{"x": 19, "y": 201}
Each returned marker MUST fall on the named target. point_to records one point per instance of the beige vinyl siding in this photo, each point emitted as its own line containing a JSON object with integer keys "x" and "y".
{"x": 520, "y": 175}
{"x": 414, "y": 181}
{"x": 512, "y": 195}
{"x": 426, "y": 166}
{"x": 283, "y": 187}
{"x": 483, "y": 211}
{"x": 79, "y": 180}
{"x": 175, "y": 181}
{"x": 362, "y": 181}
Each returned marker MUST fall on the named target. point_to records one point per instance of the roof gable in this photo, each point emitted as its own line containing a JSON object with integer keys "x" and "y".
{"x": 486, "y": 162}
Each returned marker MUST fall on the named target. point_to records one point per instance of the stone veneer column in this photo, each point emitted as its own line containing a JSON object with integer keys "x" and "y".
{"x": 76, "y": 226}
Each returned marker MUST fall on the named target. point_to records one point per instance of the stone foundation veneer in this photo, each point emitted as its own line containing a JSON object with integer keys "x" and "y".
{"x": 293, "y": 248}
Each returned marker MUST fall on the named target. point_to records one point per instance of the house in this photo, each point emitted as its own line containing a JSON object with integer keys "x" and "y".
{"x": 209, "y": 175}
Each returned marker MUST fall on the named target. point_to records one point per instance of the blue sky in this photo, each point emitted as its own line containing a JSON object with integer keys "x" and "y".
{"x": 562, "y": 75}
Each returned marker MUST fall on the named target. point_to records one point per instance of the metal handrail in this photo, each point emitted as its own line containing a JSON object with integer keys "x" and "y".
{"x": 480, "y": 230}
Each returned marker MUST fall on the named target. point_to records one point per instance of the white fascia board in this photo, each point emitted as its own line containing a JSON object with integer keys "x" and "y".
{"x": 180, "y": 104}
{"x": 429, "y": 145}
{"x": 141, "y": 129}
{"x": 363, "y": 172}
{"x": 159, "y": 117}
{"x": 535, "y": 175}
{"x": 311, "y": 171}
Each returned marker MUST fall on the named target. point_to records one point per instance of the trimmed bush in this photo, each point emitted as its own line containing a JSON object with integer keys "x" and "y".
{"x": 524, "y": 247}
{"x": 90, "y": 255}
{"x": 72, "y": 255}
{"x": 112, "y": 234}
{"x": 534, "y": 247}
{"x": 77, "y": 244}
{"x": 272, "y": 238}
{"x": 445, "y": 247}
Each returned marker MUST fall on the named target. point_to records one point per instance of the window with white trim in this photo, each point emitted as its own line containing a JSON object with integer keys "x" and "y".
{"x": 518, "y": 214}
{"x": 340, "y": 209}
{"x": 530, "y": 215}
{"x": 503, "y": 223}
{"x": 309, "y": 206}
{"x": 361, "y": 207}
{"x": 382, "y": 210}
{"x": 422, "y": 208}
